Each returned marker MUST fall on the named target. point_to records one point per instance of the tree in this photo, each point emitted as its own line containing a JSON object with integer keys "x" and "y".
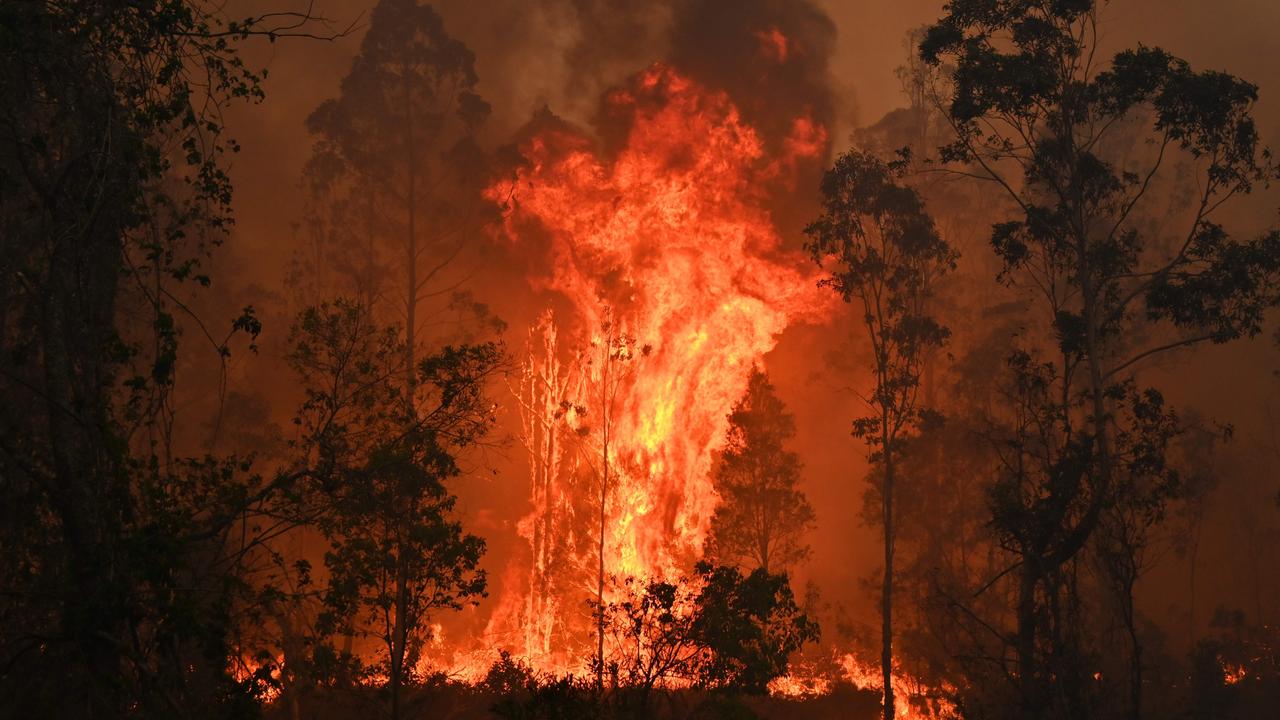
{"x": 1036, "y": 115}
{"x": 885, "y": 253}
{"x": 549, "y": 391}
{"x": 762, "y": 517}
{"x": 612, "y": 352}
{"x": 395, "y": 175}
{"x": 120, "y": 569}
{"x": 396, "y": 553}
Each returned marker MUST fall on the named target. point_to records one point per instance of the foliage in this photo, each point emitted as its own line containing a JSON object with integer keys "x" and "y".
{"x": 886, "y": 254}
{"x": 750, "y": 626}
{"x": 1083, "y": 148}
{"x": 396, "y": 553}
{"x": 125, "y": 563}
{"x": 721, "y": 630}
{"x": 393, "y": 183}
{"x": 507, "y": 675}
{"x": 762, "y": 516}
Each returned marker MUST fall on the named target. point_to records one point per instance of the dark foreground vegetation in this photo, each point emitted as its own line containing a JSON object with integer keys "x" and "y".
{"x": 1027, "y": 465}
{"x": 566, "y": 700}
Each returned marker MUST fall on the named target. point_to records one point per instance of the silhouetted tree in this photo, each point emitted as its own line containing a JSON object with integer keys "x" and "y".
{"x": 396, "y": 552}
{"x": 119, "y": 568}
{"x": 750, "y": 625}
{"x": 612, "y": 353}
{"x": 885, "y": 253}
{"x": 762, "y": 517}
{"x": 394, "y": 178}
{"x": 1039, "y": 117}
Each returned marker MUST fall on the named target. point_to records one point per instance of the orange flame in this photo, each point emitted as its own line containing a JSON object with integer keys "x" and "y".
{"x": 671, "y": 241}
{"x": 915, "y": 699}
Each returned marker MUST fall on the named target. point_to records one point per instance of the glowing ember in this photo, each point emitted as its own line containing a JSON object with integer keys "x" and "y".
{"x": 1233, "y": 673}
{"x": 668, "y": 241}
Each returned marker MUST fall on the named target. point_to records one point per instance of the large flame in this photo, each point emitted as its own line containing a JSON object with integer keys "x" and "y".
{"x": 669, "y": 241}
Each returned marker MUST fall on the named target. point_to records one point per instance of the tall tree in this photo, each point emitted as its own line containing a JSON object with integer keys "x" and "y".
{"x": 396, "y": 170}
{"x": 611, "y": 354}
{"x": 762, "y": 516}
{"x": 396, "y": 552}
{"x": 1039, "y": 115}
{"x": 884, "y": 253}
{"x": 117, "y": 566}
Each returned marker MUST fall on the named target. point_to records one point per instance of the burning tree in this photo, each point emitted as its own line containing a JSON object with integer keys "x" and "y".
{"x": 550, "y": 394}
{"x": 612, "y": 353}
{"x": 627, "y": 232}
{"x": 886, "y": 253}
{"x": 762, "y": 516}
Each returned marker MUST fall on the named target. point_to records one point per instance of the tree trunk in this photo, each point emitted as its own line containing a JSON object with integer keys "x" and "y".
{"x": 398, "y": 636}
{"x": 886, "y": 650}
{"x": 1028, "y": 669}
{"x": 77, "y": 324}
{"x": 604, "y": 496}
{"x": 411, "y": 244}
{"x": 1135, "y": 672}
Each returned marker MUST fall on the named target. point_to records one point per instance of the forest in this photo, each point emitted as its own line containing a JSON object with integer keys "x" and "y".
{"x": 716, "y": 359}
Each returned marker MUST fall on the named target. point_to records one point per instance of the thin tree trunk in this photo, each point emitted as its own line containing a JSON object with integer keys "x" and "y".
{"x": 398, "y": 636}
{"x": 604, "y": 496}
{"x": 1026, "y": 645}
{"x": 886, "y": 650}
{"x": 1135, "y": 671}
{"x": 411, "y": 291}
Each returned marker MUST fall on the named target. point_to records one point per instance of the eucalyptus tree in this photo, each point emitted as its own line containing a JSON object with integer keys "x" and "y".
{"x": 397, "y": 554}
{"x": 394, "y": 179}
{"x": 1083, "y": 146}
{"x": 884, "y": 254}
{"x": 119, "y": 565}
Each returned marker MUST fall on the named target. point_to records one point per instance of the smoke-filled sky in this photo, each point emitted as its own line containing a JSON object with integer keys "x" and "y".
{"x": 562, "y": 54}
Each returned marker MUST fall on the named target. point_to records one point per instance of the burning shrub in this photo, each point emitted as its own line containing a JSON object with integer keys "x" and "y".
{"x": 721, "y": 630}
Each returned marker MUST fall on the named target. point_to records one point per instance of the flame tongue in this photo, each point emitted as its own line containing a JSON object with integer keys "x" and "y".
{"x": 672, "y": 237}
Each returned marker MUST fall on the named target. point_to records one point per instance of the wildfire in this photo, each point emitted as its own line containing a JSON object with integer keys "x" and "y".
{"x": 668, "y": 242}
{"x": 917, "y": 700}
